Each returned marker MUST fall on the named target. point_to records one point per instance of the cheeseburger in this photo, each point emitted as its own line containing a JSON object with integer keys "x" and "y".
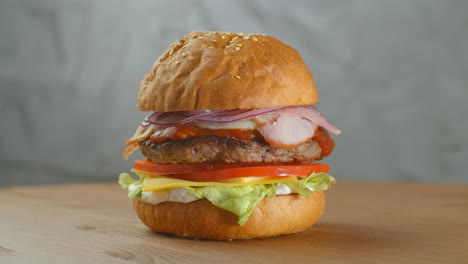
{"x": 231, "y": 140}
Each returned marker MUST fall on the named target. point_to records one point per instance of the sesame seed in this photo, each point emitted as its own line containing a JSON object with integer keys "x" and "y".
{"x": 238, "y": 44}
{"x": 234, "y": 38}
{"x": 223, "y": 37}
{"x": 237, "y": 48}
{"x": 246, "y": 37}
{"x": 237, "y": 77}
{"x": 183, "y": 54}
{"x": 177, "y": 62}
{"x": 254, "y": 38}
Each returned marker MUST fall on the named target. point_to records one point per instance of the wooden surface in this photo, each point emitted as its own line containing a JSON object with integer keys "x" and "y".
{"x": 363, "y": 223}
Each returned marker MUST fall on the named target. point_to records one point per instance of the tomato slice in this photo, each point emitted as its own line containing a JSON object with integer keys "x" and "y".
{"x": 177, "y": 168}
{"x": 203, "y": 172}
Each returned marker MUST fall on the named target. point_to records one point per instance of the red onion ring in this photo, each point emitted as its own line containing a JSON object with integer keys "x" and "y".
{"x": 209, "y": 116}
{"x": 308, "y": 112}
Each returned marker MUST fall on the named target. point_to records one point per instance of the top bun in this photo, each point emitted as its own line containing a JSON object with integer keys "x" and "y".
{"x": 222, "y": 70}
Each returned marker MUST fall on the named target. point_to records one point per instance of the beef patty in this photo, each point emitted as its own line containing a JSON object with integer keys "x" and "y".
{"x": 228, "y": 150}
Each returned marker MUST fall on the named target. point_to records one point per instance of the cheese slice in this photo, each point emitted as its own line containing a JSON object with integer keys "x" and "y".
{"x": 160, "y": 183}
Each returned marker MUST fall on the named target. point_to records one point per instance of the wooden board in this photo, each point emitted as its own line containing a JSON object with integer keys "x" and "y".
{"x": 363, "y": 223}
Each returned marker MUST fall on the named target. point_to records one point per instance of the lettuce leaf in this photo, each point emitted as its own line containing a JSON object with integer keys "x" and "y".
{"x": 314, "y": 182}
{"x": 239, "y": 200}
{"x": 132, "y": 185}
{"x": 243, "y": 199}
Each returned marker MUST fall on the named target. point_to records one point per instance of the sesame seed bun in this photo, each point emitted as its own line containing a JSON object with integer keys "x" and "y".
{"x": 280, "y": 215}
{"x": 222, "y": 70}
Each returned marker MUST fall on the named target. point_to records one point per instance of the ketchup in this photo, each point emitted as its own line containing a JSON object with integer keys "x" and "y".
{"x": 327, "y": 144}
{"x": 182, "y": 132}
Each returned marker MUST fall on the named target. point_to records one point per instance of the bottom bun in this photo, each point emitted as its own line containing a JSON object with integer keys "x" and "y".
{"x": 280, "y": 215}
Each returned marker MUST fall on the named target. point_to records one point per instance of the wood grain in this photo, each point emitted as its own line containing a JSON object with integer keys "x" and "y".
{"x": 363, "y": 223}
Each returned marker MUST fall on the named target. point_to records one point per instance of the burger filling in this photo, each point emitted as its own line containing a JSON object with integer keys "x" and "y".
{"x": 213, "y": 148}
{"x": 233, "y": 158}
{"x": 236, "y": 197}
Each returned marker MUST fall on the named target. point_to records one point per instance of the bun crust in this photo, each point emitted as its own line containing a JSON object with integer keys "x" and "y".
{"x": 222, "y": 70}
{"x": 280, "y": 215}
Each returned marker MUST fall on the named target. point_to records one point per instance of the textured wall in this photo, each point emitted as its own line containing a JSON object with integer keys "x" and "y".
{"x": 393, "y": 75}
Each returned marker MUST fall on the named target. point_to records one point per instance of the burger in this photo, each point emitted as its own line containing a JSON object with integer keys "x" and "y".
{"x": 231, "y": 142}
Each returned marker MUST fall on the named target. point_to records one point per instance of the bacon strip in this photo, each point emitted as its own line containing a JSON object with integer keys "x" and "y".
{"x": 141, "y": 134}
{"x": 129, "y": 150}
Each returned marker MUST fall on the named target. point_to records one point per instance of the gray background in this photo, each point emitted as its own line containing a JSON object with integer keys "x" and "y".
{"x": 393, "y": 75}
